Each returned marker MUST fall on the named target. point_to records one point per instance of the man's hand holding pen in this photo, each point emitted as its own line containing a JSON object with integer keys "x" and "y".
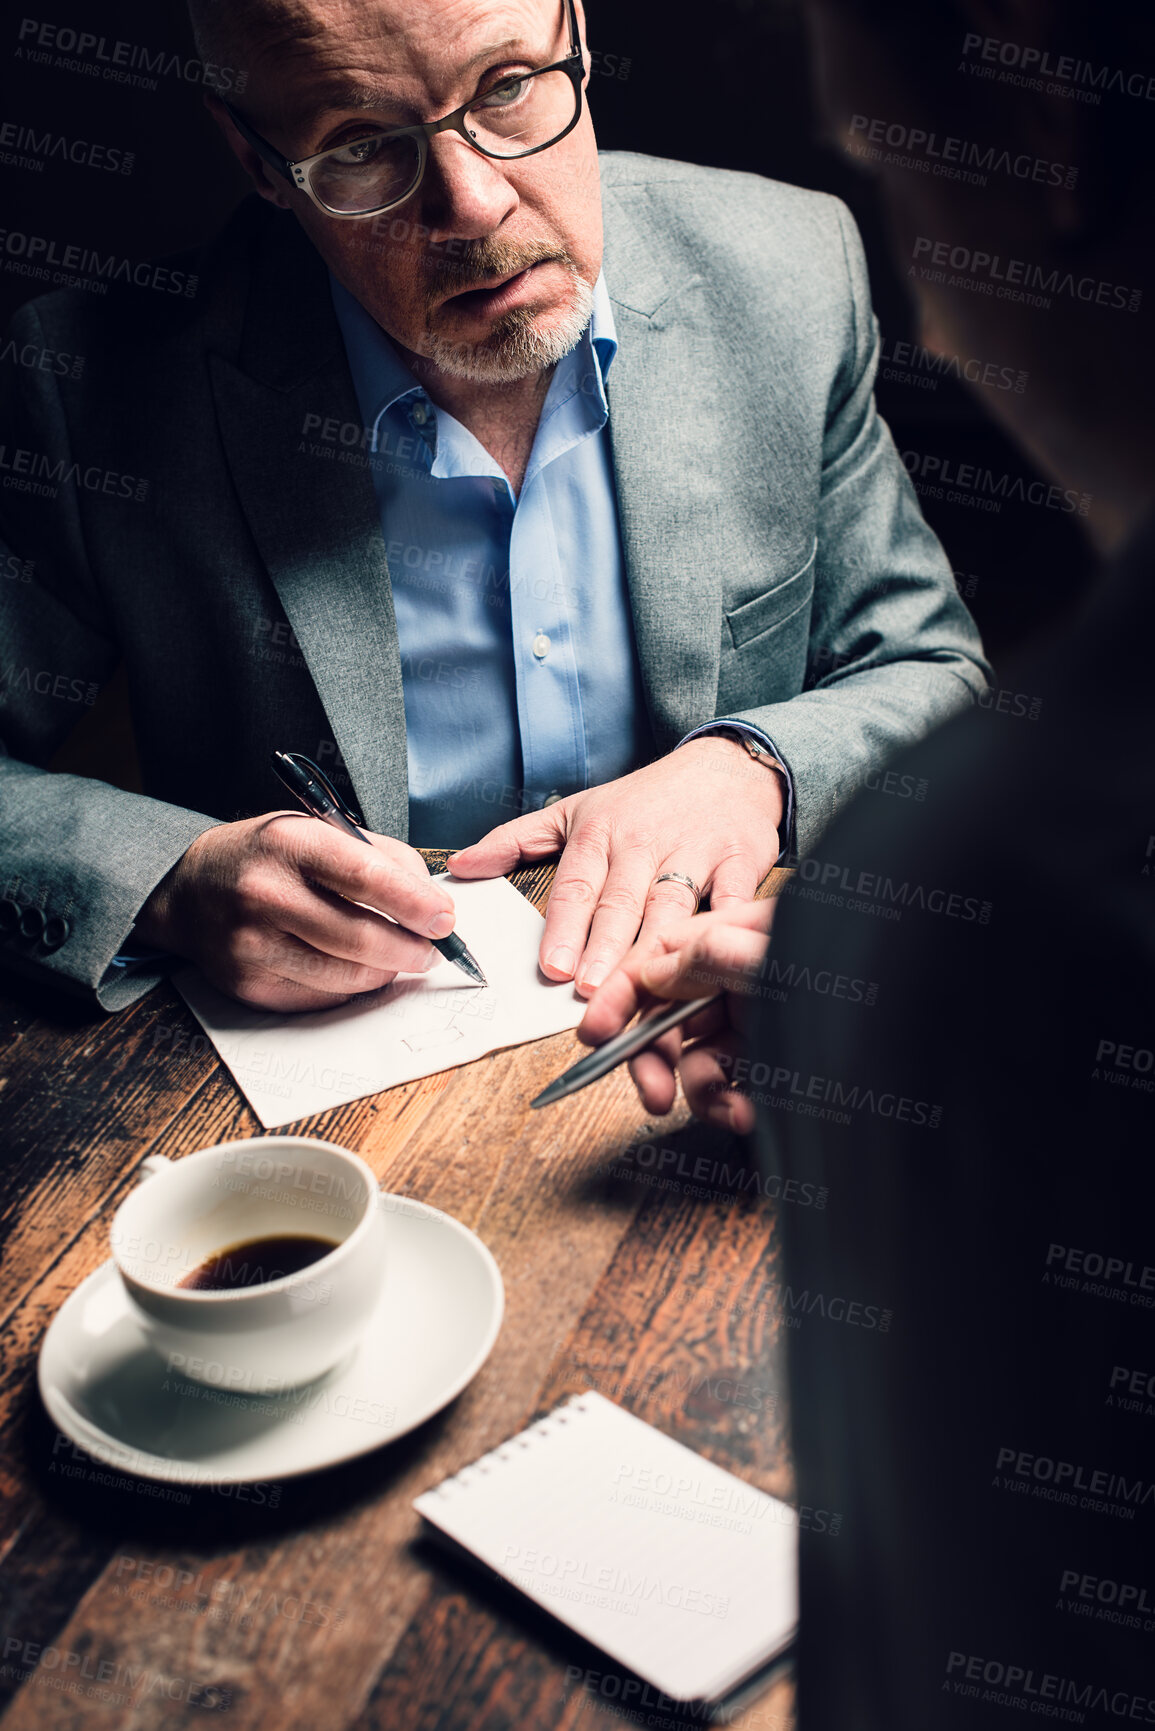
{"x": 722, "y": 951}
{"x": 277, "y": 910}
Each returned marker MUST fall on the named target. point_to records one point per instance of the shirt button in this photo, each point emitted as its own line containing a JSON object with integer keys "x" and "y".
{"x": 541, "y": 646}
{"x": 420, "y": 414}
{"x": 551, "y": 798}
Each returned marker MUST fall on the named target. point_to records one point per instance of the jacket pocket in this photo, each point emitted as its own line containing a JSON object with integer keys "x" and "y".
{"x": 778, "y": 605}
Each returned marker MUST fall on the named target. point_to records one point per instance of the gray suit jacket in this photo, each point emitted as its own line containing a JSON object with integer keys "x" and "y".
{"x": 179, "y": 507}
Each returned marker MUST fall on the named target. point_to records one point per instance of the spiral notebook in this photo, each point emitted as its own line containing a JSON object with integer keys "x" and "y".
{"x": 677, "y": 1570}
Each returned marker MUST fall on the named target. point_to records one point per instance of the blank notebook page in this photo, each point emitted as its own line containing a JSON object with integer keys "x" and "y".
{"x": 672, "y": 1566}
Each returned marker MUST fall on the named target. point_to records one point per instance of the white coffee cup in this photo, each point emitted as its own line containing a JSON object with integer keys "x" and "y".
{"x": 253, "y": 1339}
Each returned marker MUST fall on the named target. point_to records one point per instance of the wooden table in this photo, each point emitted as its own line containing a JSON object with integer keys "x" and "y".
{"x": 656, "y": 1287}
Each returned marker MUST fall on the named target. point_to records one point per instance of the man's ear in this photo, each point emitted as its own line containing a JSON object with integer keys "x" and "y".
{"x": 269, "y": 185}
{"x": 587, "y": 57}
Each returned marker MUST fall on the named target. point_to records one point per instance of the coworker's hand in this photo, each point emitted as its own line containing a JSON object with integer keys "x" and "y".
{"x": 265, "y": 908}
{"x": 712, "y": 952}
{"x": 707, "y": 810}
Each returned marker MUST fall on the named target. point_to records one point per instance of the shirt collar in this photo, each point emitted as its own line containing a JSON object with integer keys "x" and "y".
{"x": 603, "y": 332}
{"x": 380, "y": 376}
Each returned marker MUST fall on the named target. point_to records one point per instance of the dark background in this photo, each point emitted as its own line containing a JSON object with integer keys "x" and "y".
{"x": 654, "y": 86}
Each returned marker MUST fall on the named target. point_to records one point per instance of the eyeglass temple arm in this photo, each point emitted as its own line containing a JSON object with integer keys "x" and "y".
{"x": 575, "y": 41}
{"x": 262, "y": 147}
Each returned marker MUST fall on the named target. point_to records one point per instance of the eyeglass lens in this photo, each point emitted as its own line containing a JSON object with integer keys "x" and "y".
{"x": 514, "y": 117}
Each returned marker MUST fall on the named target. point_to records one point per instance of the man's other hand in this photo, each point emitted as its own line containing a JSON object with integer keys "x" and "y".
{"x": 267, "y": 908}
{"x": 707, "y": 810}
{"x": 713, "y": 952}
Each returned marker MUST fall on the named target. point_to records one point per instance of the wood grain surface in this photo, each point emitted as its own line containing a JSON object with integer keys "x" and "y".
{"x": 639, "y": 1258}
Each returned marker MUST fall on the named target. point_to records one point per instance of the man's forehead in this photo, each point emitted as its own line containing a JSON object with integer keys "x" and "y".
{"x": 324, "y": 27}
{"x": 309, "y": 56}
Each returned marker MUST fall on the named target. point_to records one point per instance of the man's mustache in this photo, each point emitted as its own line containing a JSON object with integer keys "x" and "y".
{"x": 476, "y": 263}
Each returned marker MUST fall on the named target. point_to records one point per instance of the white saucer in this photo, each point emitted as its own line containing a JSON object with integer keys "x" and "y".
{"x": 433, "y": 1329}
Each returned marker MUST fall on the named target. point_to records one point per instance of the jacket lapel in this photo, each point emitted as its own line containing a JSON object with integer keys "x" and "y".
{"x": 667, "y": 421}
{"x": 311, "y": 507}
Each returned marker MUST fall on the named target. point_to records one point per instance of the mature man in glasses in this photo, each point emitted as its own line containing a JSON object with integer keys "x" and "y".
{"x": 530, "y": 556}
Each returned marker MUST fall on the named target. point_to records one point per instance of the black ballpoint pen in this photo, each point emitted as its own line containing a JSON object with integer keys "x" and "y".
{"x": 312, "y": 787}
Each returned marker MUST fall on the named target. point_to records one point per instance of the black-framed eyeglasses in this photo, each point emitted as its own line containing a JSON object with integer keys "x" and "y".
{"x": 516, "y": 116}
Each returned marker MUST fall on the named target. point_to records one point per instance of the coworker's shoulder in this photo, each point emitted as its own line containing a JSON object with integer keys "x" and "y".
{"x": 133, "y": 303}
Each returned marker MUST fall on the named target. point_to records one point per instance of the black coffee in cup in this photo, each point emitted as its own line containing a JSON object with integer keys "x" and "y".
{"x": 256, "y": 1261}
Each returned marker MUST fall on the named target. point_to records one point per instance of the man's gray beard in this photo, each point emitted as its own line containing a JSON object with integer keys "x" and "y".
{"x": 514, "y": 349}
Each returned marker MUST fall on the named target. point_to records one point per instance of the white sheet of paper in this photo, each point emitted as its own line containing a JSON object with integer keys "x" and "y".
{"x": 289, "y": 1066}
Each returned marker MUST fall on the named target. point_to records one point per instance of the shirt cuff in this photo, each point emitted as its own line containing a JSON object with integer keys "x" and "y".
{"x": 722, "y": 725}
{"x": 135, "y": 956}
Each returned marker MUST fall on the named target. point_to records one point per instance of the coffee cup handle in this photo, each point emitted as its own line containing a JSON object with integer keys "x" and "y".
{"x": 152, "y": 1165}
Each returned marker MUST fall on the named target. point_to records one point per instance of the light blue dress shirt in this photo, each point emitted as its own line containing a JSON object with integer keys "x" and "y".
{"x": 518, "y": 664}
{"x": 519, "y": 669}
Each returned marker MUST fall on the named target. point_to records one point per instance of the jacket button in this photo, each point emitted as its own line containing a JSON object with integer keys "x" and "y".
{"x": 9, "y": 918}
{"x": 56, "y": 931}
{"x": 32, "y": 923}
